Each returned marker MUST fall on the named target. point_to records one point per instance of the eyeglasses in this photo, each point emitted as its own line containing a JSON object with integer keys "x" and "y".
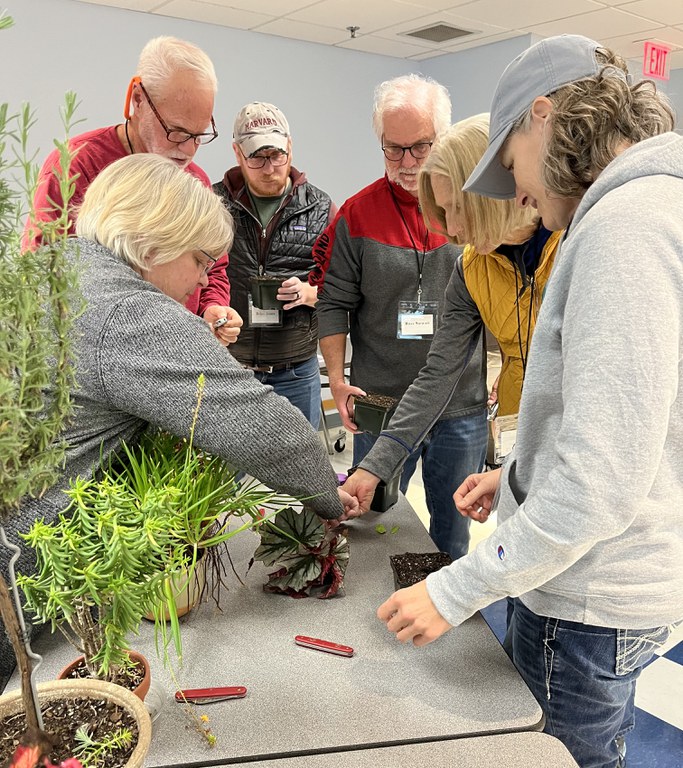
{"x": 418, "y": 151}
{"x": 258, "y": 161}
{"x": 180, "y": 137}
{"x": 206, "y": 267}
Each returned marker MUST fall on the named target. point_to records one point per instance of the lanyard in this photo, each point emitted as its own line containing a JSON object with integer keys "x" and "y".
{"x": 419, "y": 261}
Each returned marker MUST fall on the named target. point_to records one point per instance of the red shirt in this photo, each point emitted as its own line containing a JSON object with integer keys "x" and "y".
{"x": 96, "y": 150}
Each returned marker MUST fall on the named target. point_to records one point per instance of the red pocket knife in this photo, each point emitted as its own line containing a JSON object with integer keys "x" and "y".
{"x": 209, "y": 695}
{"x": 323, "y": 645}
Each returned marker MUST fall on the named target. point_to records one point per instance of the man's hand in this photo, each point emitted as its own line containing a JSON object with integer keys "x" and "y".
{"x": 297, "y": 294}
{"x": 410, "y": 614}
{"x": 351, "y": 507}
{"x": 228, "y": 332}
{"x": 361, "y": 484}
{"x": 474, "y": 498}
{"x": 341, "y": 392}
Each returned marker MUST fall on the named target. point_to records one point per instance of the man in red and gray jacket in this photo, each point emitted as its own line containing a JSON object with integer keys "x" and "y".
{"x": 383, "y": 277}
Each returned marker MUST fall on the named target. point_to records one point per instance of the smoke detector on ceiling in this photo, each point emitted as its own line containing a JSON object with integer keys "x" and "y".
{"x": 439, "y": 33}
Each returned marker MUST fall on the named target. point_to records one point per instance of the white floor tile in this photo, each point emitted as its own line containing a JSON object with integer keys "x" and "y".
{"x": 658, "y": 691}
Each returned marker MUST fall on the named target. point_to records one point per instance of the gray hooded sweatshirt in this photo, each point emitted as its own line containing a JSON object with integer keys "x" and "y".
{"x": 591, "y": 500}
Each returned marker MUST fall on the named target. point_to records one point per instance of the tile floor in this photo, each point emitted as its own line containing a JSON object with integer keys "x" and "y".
{"x": 657, "y": 741}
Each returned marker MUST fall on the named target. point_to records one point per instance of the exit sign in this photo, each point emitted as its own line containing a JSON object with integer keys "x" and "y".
{"x": 656, "y": 60}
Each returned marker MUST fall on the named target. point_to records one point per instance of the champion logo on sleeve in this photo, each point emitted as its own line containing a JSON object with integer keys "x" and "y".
{"x": 501, "y": 552}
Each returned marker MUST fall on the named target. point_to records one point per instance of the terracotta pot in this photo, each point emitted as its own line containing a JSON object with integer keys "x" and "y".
{"x": 11, "y": 704}
{"x": 187, "y": 590}
{"x": 140, "y": 692}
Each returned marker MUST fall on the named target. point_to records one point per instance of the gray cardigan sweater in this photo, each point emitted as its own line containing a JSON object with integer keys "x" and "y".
{"x": 591, "y": 504}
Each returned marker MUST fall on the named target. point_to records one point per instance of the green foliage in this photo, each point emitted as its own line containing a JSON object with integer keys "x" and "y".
{"x": 309, "y": 554}
{"x": 93, "y": 752}
{"x": 108, "y": 560}
{"x": 38, "y": 306}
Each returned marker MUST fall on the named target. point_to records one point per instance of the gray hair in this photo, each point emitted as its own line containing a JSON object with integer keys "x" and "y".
{"x": 163, "y": 56}
{"x": 412, "y": 91}
{"x": 148, "y": 211}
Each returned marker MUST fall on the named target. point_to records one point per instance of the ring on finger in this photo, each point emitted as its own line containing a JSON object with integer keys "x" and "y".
{"x": 480, "y": 510}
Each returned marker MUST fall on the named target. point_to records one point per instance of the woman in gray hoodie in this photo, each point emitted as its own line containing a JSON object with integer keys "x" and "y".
{"x": 590, "y": 535}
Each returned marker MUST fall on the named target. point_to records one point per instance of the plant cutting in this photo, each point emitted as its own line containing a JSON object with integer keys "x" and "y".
{"x": 372, "y": 412}
{"x": 311, "y": 557}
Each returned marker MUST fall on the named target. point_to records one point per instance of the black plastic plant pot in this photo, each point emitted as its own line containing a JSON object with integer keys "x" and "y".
{"x": 412, "y": 567}
{"x": 264, "y": 291}
{"x": 386, "y": 494}
{"x": 373, "y": 412}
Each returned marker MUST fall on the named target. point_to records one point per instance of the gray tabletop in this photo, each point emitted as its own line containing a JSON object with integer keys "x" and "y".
{"x": 301, "y": 700}
{"x": 509, "y": 750}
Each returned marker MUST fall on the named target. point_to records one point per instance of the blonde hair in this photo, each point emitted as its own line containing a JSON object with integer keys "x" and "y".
{"x": 164, "y": 56}
{"x": 591, "y": 122}
{"x": 148, "y": 211}
{"x": 413, "y": 91}
{"x": 487, "y": 222}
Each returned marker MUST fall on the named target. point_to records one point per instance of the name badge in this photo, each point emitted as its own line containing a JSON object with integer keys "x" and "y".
{"x": 259, "y": 318}
{"x": 417, "y": 320}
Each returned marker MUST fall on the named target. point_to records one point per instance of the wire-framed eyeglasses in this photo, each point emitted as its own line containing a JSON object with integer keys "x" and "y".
{"x": 176, "y": 136}
{"x": 277, "y": 159}
{"x": 419, "y": 151}
{"x": 206, "y": 267}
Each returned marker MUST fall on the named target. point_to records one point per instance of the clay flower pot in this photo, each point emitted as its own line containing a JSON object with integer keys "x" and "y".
{"x": 264, "y": 290}
{"x": 11, "y": 704}
{"x": 140, "y": 692}
{"x": 373, "y": 412}
{"x": 412, "y": 567}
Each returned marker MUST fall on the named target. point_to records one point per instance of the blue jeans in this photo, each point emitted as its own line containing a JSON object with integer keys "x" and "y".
{"x": 452, "y": 450}
{"x": 300, "y": 384}
{"x": 584, "y": 678}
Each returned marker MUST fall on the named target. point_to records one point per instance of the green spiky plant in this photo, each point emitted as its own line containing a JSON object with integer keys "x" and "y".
{"x": 38, "y": 305}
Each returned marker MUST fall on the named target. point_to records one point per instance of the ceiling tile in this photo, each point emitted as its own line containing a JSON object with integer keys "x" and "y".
{"x": 520, "y": 15}
{"x": 616, "y": 2}
{"x": 436, "y": 5}
{"x": 298, "y": 30}
{"x": 632, "y": 46}
{"x": 131, "y": 5}
{"x": 372, "y": 44}
{"x": 599, "y": 25}
{"x": 455, "y": 47}
{"x": 369, "y": 15}
{"x": 269, "y": 7}
{"x": 664, "y": 11}
{"x": 195, "y": 10}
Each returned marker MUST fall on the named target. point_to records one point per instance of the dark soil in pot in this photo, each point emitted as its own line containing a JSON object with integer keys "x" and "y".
{"x": 412, "y": 567}
{"x": 63, "y": 717}
{"x": 373, "y": 412}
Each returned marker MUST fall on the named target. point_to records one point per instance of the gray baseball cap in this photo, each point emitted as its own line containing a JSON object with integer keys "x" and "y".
{"x": 538, "y": 71}
{"x": 259, "y": 125}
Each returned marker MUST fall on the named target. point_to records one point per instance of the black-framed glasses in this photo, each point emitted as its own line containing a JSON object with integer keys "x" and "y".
{"x": 176, "y": 136}
{"x": 419, "y": 151}
{"x": 255, "y": 162}
{"x": 207, "y": 267}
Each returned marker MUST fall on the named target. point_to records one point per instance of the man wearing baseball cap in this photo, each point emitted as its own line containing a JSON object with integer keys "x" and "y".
{"x": 590, "y": 534}
{"x": 278, "y": 215}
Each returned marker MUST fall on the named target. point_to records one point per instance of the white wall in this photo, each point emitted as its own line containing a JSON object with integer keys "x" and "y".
{"x": 326, "y": 92}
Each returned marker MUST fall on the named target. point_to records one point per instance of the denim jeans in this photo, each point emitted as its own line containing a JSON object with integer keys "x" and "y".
{"x": 300, "y": 384}
{"x": 453, "y": 449}
{"x": 584, "y": 678}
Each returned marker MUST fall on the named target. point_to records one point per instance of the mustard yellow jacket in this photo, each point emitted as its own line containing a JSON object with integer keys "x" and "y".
{"x": 490, "y": 280}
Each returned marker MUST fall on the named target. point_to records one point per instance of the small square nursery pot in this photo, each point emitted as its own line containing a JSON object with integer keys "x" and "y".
{"x": 386, "y": 494}
{"x": 412, "y": 567}
{"x": 373, "y": 412}
{"x": 264, "y": 290}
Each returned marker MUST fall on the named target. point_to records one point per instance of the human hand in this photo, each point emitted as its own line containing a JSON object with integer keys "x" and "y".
{"x": 360, "y": 484}
{"x": 351, "y": 505}
{"x": 474, "y": 498}
{"x": 410, "y": 614}
{"x": 341, "y": 392}
{"x": 493, "y": 395}
{"x": 297, "y": 294}
{"x": 228, "y": 332}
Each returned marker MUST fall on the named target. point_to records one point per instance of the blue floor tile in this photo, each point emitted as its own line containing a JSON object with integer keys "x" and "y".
{"x": 675, "y": 654}
{"x": 654, "y": 743}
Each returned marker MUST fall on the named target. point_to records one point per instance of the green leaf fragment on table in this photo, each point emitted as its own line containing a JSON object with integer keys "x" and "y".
{"x": 380, "y": 528}
{"x": 394, "y": 529}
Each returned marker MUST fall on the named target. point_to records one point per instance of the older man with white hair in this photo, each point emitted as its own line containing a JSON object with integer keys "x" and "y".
{"x": 384, "y": 279}
{"x": 169, "y": 112}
